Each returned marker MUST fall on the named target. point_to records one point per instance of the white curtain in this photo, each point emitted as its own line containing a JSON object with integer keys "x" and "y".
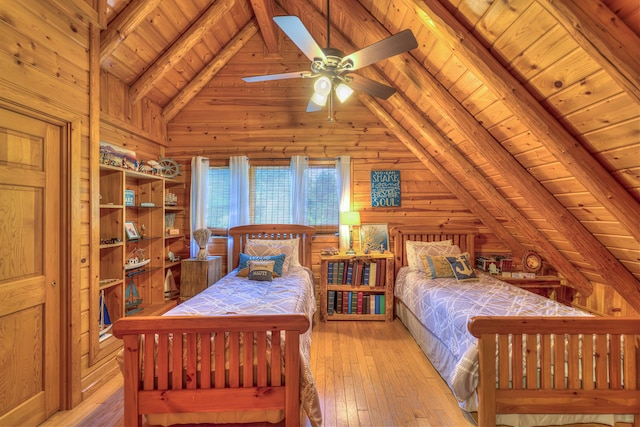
{"x": 238, "y": 198}
{"x": 299, "y": 165}
{"x": 343, "y": 172}
{"x": 199, "y": 198}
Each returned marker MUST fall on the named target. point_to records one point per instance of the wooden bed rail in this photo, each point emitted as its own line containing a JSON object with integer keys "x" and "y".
{"x": 580, "y": 365}
{"x": 203, "y": 371}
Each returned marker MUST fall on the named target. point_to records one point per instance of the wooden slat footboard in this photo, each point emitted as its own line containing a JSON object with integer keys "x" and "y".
{"x": 197, "y": 374}
{"x": 559, "y": 365}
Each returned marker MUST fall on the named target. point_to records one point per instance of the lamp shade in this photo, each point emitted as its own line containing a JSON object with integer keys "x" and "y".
{"x": 350, "y": 218}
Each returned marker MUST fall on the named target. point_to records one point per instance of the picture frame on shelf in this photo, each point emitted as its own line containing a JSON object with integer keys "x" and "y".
{"x": 131, "y": 230}
{"x": 129, "y": 198}
{"x": 374, "y": 238}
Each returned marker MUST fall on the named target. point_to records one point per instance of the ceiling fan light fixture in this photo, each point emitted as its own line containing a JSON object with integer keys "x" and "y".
{"x": 343, "y": 92}
{"x": 322, "y": 86}
{"x": 319, "y": 100}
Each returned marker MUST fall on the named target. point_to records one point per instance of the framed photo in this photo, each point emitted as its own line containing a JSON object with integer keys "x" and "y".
{"x": 132, "y": 230}
{"x": 374, "y": 238}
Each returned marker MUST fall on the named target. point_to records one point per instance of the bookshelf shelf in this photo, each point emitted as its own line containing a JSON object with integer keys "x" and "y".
{"x": 356, "y": 287}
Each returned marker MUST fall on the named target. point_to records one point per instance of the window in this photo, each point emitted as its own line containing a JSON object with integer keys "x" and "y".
{"x": 270, "y": 197}
{"x": 269, "y": 194}
{"x": 218, "y": 200}
{"x": 322, "y": 198}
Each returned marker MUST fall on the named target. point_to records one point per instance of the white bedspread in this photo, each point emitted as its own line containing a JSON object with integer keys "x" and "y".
{"x": 291, "y": 293}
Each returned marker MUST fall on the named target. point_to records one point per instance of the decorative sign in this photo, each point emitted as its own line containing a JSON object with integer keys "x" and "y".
{"x": 385, "y": 189}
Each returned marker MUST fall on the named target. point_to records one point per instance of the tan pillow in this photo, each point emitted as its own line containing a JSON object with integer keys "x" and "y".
{"x": 255, "y": 249}
{"x": 295, "y": 262}
{"x": 261, "y": 270}
{"x": 412, "y": 248}
{"x": 415, "y": 262}
{"x": 436, "y": 266}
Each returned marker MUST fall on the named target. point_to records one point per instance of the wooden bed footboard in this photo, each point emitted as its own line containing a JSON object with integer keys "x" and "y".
{"x": 581, "y": 365}
{"x": 196, "y": 374}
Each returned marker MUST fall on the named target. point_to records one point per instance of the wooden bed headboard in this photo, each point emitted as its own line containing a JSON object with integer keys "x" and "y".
{"x": 464, "y": 238}
{"x": 241, "y": 233}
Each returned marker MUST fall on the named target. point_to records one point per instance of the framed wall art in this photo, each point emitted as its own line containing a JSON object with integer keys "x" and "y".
{"x": 374, "y": 238}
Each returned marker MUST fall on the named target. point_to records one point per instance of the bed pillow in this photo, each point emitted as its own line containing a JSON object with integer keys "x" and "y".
{"x": 254, "y": 249}
{"x": 261, "y": 270}
{"x": 413, "y": 256}
{"x": 412, "y": 247}
{"x": 277, "y": 266}
{"x": 461, "y": 267}
{"x": 295, "y": 262}
{"x": 436, "y": 266}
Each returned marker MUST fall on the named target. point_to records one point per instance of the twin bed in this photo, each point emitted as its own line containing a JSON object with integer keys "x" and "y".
{"x": 189, "y": 365}
{"x": 515, "y": 357}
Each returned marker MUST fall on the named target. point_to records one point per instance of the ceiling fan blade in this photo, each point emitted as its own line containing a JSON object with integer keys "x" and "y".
{"x": 394, "y": 45}
{"x": 298, "y": 33}
{"x": 371, "y": 87}
{"x": 282, "y": 76}
{"x": 312, "y": 107}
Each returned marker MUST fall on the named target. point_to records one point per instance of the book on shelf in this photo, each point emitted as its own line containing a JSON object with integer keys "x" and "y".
{"x": 382, "y": 304}
{"x": 357, "y": 273}
{"x": 340, "y": 275}
{"x": 359, "y": 303}
{"x": 354, "y": 302}
{"x": 372, "y": 304}
{"x": 349, "y": 273}
{"x": 373, "y": 266}
{"x": 330, "y": 266}
{"x": 376, "y": 308}
{"x": 345, "y": 302}
{"x": 331, "y": 295}
{"x": 339, "y": 302}
{"x": 365, "y": 303}
{"x": 366, "y": 268}
{"x": 381, "y": 272}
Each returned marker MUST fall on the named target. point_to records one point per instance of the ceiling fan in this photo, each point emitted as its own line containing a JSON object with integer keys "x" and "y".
{"x": 332, "y": 69}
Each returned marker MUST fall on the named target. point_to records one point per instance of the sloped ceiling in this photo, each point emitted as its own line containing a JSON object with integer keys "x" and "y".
{"x": 518, "y": 105}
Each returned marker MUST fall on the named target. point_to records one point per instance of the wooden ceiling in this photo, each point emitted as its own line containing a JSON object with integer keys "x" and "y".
{"x": 527, "y": 110}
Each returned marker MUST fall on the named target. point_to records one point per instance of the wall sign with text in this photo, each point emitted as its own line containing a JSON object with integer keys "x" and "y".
{"x": 385, "y": 189}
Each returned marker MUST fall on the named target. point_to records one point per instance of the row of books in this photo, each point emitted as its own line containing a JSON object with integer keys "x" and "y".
{"x": 357, "y": 272}
{"x": 350, "y": 302}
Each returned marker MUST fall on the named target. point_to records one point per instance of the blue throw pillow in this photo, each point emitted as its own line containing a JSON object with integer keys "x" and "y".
{"x": 461, "y": 266}
{"x": 277, "y": 266}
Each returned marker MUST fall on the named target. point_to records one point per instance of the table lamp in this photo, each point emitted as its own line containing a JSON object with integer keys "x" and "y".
{"x": 350, "y": 218}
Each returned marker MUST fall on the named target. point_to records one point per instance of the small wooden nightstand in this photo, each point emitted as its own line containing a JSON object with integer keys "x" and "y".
{"x": 541, "y": 285}
{"x": 198, "y": 275}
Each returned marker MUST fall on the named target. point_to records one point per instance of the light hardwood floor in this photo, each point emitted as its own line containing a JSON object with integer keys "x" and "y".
{"x": 367, "y": 374}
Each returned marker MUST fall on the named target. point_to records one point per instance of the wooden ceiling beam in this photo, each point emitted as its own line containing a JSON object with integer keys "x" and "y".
{"x": 604, "y": 36}
{"x": 193, "y": 35}
{"x": 265, "y": 10}
{"x": 209, "y": 71}
{"x": 455, "y": 158}
{"x": 593, "y": 251}
{"x": 551, "y": 133}
{"x": 123, "y": 25}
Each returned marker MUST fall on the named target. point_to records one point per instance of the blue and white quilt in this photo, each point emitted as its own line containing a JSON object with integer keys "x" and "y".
{"x": 445, "y": 307}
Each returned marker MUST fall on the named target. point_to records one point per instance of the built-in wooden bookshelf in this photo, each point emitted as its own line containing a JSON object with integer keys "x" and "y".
{"x": 134, "y": 247}
{"x": 356, "y": 287}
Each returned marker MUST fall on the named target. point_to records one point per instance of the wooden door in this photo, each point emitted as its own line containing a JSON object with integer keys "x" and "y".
{"x": 29, "y": 269}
